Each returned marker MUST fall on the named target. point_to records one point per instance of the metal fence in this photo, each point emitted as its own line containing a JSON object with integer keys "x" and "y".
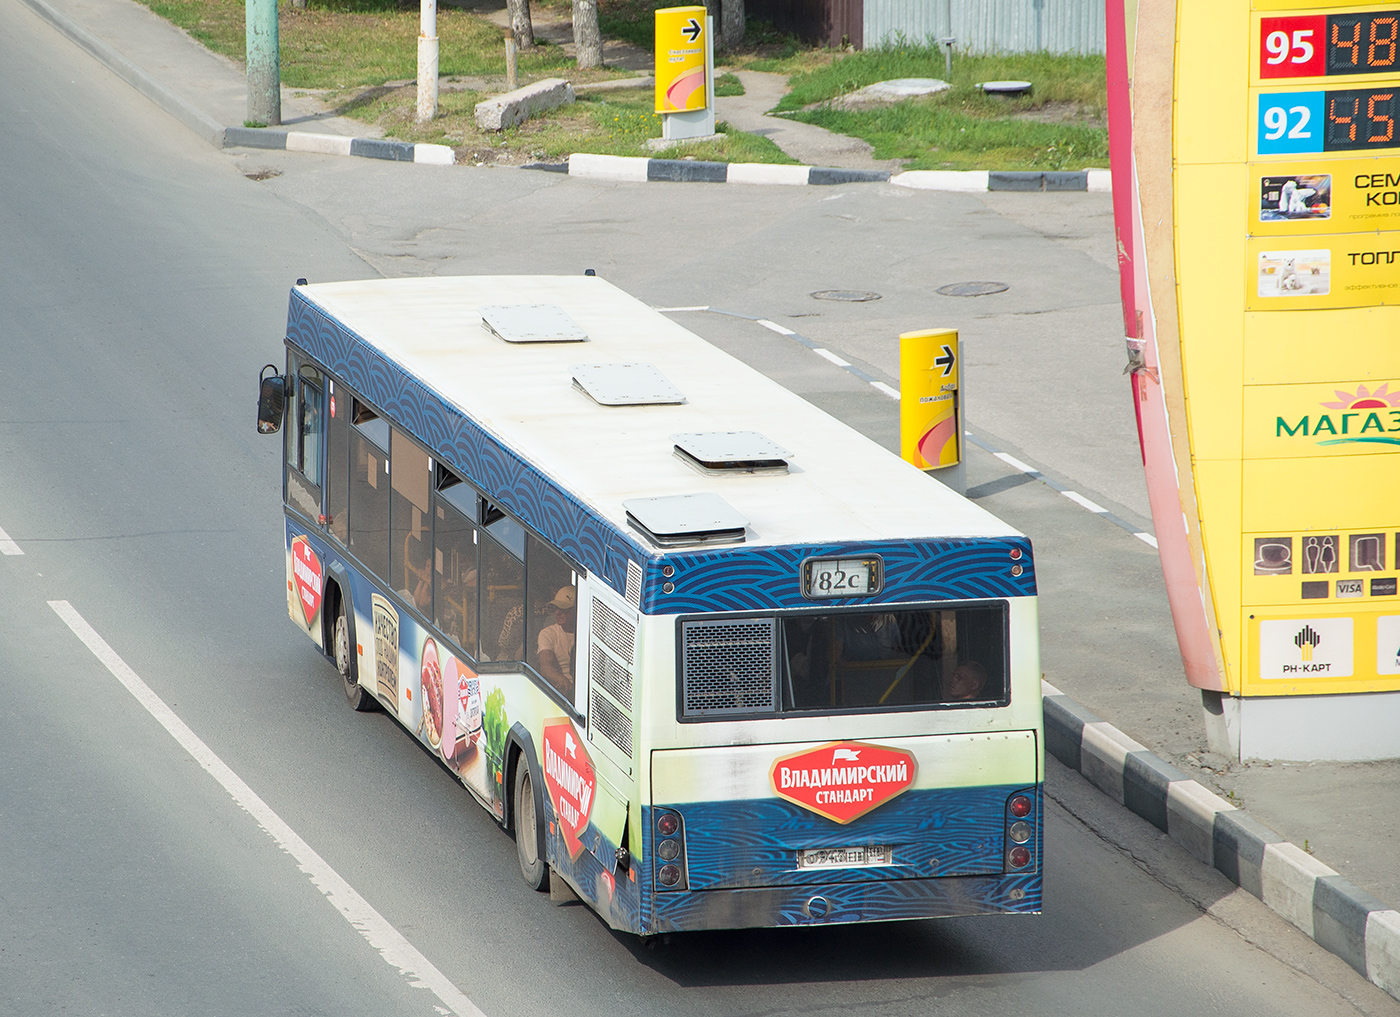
{"x": 988, "y": 26}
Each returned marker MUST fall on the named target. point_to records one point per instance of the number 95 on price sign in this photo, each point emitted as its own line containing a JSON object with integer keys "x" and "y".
{"x": 1337, "y": 120}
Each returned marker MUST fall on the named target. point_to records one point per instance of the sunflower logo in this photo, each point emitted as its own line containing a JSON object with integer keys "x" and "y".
{"x": 1362, "y": 399}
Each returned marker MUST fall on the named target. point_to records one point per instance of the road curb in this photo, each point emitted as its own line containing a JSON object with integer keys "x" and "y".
{"x": 1336, "y": 914}
{"x": 638, "y": 169}
{"x": 336, "y": 144}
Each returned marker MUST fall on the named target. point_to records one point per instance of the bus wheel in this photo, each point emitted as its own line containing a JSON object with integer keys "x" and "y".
{"x": 359, "y": 699}
{"x": 527, "y": 829}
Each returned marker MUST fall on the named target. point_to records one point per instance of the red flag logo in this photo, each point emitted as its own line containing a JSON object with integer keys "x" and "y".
{"x": 843, "y": 780}
{"x": 568, "y": 775}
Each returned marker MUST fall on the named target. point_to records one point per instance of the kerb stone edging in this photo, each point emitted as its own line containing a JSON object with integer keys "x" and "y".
{"x": 1335, "y": 913}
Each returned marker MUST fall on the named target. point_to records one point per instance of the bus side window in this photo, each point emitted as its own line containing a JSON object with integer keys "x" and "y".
{"x": 337, "y": 461}
{"x": 503, "y": 592}
{"x": 410, "y": 526}
{"x": 369, "y": 490}
{"x": 304, "y": 443}
{"x": 454, "y": 561}
{"x": 551, "y": 622}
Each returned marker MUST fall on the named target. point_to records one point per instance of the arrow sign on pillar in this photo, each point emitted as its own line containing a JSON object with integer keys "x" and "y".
{"x": 946, "y": 361}
{"x": 692, "y": 30}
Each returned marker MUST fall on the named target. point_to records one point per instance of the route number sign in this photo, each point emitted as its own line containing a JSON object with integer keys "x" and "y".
{"x": 841, "y": 577}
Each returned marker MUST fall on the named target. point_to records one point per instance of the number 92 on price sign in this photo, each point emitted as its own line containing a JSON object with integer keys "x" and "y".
{"x": 1337, "y": 120}
{"x": 842, "y": 577}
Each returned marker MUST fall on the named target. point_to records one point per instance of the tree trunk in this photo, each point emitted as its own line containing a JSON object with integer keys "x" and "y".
{"x": 588, "y": 43}
{"x": 520, "y": 26}
{"x": 731, "y": 21}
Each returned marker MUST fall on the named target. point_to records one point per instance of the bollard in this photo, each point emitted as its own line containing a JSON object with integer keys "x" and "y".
{"x": 512, "y": 78}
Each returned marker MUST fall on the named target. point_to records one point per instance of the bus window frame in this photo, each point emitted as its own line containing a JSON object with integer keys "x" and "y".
{"x": 784, "y": 714}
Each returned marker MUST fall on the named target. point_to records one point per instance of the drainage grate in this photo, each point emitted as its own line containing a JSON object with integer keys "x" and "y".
{"x": 973, "y": 289}
{"x": 850, "y": 296}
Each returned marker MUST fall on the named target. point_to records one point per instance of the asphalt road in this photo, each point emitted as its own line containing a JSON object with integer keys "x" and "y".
{"x": 143, "y": 282}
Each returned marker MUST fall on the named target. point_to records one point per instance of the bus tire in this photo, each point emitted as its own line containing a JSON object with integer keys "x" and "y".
{"x": 528, "y": 842}
{"x": 358, "y": 698}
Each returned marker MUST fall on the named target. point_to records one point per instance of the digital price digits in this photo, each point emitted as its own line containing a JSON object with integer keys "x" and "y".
{"x": 1314, "y": 45}
{"x": 1334, "y": 121}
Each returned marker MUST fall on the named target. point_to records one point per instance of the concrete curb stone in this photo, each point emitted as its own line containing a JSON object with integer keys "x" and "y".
{"x": 1334, "y": 913}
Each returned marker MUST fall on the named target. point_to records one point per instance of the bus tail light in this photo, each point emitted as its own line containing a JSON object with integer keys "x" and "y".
{"x": 1020, "y": 830}
{"x": 670, "y": 850}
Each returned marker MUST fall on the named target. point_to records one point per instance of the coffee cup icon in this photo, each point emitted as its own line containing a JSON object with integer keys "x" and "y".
{"x": 1273, "y": 557}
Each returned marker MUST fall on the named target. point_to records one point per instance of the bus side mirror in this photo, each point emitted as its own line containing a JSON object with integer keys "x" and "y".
{"x": 272, "y": 400}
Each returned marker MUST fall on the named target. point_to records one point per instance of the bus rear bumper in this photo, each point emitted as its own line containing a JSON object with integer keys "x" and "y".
{"x": 838, "y": 903}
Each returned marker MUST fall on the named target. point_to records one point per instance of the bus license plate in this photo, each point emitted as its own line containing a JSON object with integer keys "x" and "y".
{"x": 843, "y": 858}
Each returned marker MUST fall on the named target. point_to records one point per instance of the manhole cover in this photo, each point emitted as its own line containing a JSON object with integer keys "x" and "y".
{"x": 972, "y": 289}
{"x": 851, "y": 296}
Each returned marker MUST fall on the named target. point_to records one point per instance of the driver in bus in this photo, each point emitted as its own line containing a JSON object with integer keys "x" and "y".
{"x": 555, "y": 656}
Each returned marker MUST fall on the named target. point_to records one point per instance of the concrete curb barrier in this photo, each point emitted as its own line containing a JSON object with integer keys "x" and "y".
{"x": 636, "y": 169}
{"x": 633, "y": 169}
{"x": 1333, "y": 912}
{"x": 336, "y": 144}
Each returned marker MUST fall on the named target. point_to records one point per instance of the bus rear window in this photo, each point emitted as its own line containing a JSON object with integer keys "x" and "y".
{"x": 892, "y": 659}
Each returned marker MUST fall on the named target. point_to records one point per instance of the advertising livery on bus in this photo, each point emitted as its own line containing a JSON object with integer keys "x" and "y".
{"x": 715, "y": 659}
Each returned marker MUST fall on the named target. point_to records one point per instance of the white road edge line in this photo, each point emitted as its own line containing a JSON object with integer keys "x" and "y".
{"x": 1014, "y": 463}
{"x": 880, "y": 386}
{"x": 1080, "y": 500}
{"x": 828, "y": 355}
{"x": 1146, "y": 538}
{"x": 8, "y": 546}
{"x": 775, "y": 327}
{"x": 677, "y": 310}
{"x": 391, "y": 944}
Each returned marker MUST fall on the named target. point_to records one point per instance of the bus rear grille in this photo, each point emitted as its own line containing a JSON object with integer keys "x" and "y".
{"x": 612, "y": 676}
{"x": 730, "y": 667}
{"x": 615, "y": 633}
{"x": 608, "y": 719}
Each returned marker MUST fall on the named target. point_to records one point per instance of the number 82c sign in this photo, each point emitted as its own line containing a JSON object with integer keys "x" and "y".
{"x": 1338, "y": 120}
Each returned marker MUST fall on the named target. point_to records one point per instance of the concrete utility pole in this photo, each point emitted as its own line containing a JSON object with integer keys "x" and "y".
{"x": 264, "y": 68}
{"x": 428, "y": 62}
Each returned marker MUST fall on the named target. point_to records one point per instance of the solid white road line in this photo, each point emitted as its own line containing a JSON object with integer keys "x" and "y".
{"x": 773, "y": 326}
{"x": 8, "y": 546}
{"x": 1146, "y": 538}
{"x": 677, "y": 310}
{"x": 391, "y": 944}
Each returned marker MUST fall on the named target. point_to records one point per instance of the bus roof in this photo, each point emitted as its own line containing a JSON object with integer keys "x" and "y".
{"x": 841, "y": 485}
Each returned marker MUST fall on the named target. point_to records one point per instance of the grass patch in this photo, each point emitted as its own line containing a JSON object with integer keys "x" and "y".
{"x": 353, "y": 43}
{"x": 1060, "y": 126}
{"x": 728, "y": 84}
{"x": 616, "y": 123}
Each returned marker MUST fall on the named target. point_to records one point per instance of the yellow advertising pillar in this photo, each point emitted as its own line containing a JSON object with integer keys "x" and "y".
{"x": 1257, "y": 185}
{"x": 930, "y": 404}
{"x": 685, "y": 72}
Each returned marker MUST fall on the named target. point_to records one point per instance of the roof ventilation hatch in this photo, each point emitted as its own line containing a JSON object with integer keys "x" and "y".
{"x": 531, "y": 323}
{"x": 731, "y": 453}
{"x": 686, "y": 520}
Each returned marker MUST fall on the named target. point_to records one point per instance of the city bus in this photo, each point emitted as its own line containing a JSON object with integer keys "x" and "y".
{"x": 712, "y": 657}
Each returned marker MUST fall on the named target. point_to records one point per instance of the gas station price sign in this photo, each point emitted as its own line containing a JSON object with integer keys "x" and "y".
{"x": 1317, "y": 45}
{"x": 1337, "y": 120}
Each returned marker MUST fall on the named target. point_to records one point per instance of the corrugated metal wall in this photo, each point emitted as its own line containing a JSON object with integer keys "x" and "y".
{"x": 985, "y": 26}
